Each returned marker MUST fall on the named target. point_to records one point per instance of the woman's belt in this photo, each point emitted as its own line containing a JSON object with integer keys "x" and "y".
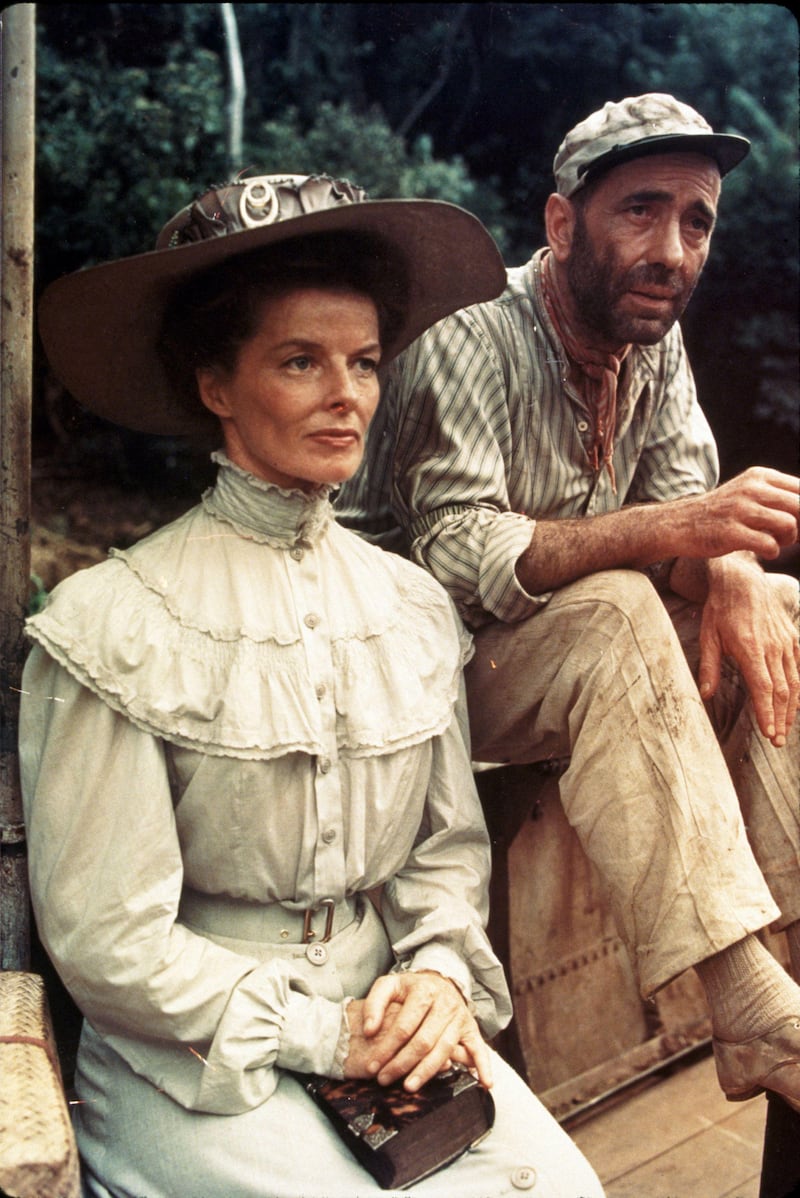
{"x": 269, "y": 923}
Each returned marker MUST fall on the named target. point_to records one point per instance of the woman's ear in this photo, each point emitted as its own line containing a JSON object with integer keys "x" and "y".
{"x": 559, "y": 222}
{"x": 212, "y": 391}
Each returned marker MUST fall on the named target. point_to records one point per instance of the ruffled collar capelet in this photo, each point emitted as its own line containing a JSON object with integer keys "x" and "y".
{"x": 209, "y": 633}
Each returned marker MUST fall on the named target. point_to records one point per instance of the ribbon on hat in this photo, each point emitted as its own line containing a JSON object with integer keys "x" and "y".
{"x": 251, "y": 203}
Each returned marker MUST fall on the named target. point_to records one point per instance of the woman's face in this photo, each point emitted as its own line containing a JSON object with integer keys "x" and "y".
{"x": 296, "y": 407}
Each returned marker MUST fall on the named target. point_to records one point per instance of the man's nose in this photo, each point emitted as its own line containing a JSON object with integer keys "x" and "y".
{"x": 667, "y": 244}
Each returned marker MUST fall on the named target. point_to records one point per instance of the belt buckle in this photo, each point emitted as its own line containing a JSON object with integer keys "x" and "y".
{"x": 315, "y": 950}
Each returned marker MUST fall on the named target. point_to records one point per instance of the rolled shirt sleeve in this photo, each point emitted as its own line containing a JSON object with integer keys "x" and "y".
{"x": 453, "y": 438}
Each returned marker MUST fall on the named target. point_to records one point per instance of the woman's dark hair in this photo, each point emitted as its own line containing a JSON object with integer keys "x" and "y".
{"x": 211, "y": 315}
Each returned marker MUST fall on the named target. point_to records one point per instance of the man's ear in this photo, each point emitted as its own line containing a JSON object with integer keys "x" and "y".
{"x": 212, "y": 392}
{"x": 559, "y": 222}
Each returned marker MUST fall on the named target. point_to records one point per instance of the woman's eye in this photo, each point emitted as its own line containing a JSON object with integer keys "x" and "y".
{"x": 301, "y": 362}
{"x": 367, "y": 365}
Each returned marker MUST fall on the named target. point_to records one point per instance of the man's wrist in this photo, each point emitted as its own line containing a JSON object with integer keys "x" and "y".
{"x": 720, "y": 571}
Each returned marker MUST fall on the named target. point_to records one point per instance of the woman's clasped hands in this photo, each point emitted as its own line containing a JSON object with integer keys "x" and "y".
{"x": 412, "y": 1026}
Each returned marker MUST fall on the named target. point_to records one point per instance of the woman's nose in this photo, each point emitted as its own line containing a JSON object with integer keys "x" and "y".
{"x": 342, "y": 394}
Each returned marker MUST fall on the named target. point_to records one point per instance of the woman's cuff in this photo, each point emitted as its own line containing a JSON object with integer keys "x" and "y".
{"x": 343, "y": 1043}
{"x": 310, "y": 1035}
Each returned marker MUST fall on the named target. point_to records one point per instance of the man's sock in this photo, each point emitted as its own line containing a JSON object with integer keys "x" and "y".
{"x": 748, "y": 991}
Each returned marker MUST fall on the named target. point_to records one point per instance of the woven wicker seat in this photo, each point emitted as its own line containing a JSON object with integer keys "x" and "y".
{"x": 38, "y": 1155}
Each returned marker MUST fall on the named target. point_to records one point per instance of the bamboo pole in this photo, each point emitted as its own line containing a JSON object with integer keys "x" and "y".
{"x": 17, "y": 49}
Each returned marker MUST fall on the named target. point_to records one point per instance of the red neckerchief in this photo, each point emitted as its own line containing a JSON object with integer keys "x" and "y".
{"x": 597, "y": 379}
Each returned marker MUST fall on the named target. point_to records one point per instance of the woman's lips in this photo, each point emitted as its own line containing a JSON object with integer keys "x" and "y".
{"x": 338, "y": 438}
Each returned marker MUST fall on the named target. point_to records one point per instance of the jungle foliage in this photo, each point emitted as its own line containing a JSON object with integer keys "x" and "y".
{"x": 465, "y": 102}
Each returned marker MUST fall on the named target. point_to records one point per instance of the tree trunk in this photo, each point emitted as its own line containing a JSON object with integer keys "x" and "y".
{"x": 236, "y": 88}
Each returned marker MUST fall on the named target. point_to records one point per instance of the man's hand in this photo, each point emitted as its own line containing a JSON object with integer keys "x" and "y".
{"x": 413, "y": 1025}
{"x": 744, "y": 618}
{"x": 756, "y": 511}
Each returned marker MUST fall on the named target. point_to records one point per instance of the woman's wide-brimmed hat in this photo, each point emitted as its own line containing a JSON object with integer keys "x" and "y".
{"x": 100, "y": 326}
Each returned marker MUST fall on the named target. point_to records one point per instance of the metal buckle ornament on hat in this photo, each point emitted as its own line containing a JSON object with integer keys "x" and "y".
{"x": 258, "y": 203}
{"x": 315, "y": 949}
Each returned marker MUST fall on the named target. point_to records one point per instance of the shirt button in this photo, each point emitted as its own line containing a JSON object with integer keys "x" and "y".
{"x": 523, "y": 1178}
{"x": 311, "y": 620}
{"x": 296, "y": 553}
{"x": 329, "y": 835}
{"x": 320, "y": 690}
{"x": 583, "y": 426}
{"x": 324, "y": 765}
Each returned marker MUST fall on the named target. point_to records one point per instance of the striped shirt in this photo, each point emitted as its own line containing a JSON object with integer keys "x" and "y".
{"x": 480, "y": 432}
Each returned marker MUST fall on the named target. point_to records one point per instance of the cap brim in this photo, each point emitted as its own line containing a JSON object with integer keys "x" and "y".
{"x": 726, "y": 149}
{"x": 100, "y": 326}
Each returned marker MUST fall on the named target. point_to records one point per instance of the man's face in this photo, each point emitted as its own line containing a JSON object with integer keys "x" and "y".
{"x": 639, "y": 244}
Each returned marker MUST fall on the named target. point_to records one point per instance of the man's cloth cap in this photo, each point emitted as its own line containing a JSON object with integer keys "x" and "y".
{"x": 655, "y": 123}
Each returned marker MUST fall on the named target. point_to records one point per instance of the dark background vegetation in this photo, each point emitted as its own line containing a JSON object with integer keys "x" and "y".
{"x": 465, "y": 102}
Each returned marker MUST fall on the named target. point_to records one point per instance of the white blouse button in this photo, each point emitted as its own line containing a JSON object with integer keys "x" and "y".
{"x": 324, "y": 765}
{"x": 523, "y": 1178}
{"x": 296, "y": 553}
{"x": 311, "y": 620}
{"x": 329, "y": 835}
{"x": 317, "y": 954}
{"x": 320, "y": 690}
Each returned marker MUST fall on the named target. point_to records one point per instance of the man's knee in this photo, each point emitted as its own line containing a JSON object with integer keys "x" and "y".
{"x": 526, "y": 677}
{"x": 591, "y": 610}
{"x": 612, "y": 604}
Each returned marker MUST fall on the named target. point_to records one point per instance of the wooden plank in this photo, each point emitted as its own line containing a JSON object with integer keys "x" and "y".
{"x": 717, "y": 1161}
{"x": 678, "y": 1137}
{"x": 18, "y": 40}
{"x": 751, "y": 1188}
{"x": 610, "y": 1080}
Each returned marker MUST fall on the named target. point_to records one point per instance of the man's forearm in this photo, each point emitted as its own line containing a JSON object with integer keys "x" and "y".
{"x": 755, "y": 513}
{"x": 561, "y": 551}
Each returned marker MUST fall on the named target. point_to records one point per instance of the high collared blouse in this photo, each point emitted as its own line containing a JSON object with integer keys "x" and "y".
{"x": 480, "y": 432}
{"x": 256, "y": 704}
